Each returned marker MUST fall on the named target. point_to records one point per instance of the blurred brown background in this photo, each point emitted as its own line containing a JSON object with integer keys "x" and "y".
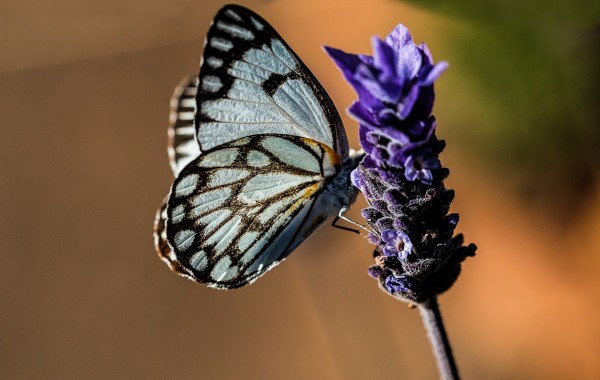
{"x": 84, "y": 95}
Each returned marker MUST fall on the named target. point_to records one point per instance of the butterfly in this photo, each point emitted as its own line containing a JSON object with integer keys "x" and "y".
{"x": 259, "y": 154}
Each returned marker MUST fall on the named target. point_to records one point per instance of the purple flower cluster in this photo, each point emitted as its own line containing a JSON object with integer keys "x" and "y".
{"x": 395, "y": 98}
{"x": 401, "y": 175}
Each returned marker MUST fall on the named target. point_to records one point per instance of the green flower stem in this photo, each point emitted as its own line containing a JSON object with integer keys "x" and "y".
{"x": 432, "y": 320}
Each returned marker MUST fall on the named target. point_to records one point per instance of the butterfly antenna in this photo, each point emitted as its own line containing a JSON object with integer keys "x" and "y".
{"x": 342, "y": 217}
{"x": 342, "y": 227}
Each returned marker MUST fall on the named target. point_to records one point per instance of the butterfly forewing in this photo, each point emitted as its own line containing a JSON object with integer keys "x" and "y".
{"x": 241, "y": 208}
{"x": 252, "y": 83}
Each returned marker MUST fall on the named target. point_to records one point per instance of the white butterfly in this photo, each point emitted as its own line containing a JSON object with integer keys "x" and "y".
{"x": 259, "y": 153}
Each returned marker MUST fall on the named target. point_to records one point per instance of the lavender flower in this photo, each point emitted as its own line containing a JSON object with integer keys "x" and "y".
{"x": 397, "y": 243}
{"x": 401, "y": 176}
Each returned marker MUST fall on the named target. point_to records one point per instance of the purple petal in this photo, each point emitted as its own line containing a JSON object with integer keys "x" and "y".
{"x": 422, "y": 108}
{"x": 395, "y": 135}
{"x": 365, "y": 138}
{"x": 345, "y": 61}
{"x": 431, "y": 125}
{"x": 452, "y": 219}
{"x": 389, "y": 250}
{"x": 386, "y": 115}
{"x": 408, "y": 246}
{"x": 388, "y": 235}
{"x": 409, "y": 171}
{"x": 434, "y": 73}
{"x": 399, "y": 37}
{"x": 356, "y": 72}
{"x": 356, "y": 179}
{"x": 366, "y": 59}
{"x": 403, "y": 255}
{"x": 409, "y": 102}
{"x": 409, "y": 62}
{"x": 364, "y": 73}
{"x": 392, "y": 87}
{"x": 409, "y": 56}
{"x": 425, "y": 176}
{"x": 396, "y": 161}
{"x": 395, "y": 148}
{"x": 370, "y": 93}
{"x": 366, "y": 77}
{"x": 423, "y": 130}
{"x": 384, "y": 58}
{"x": 369, "y": 162}
{"x": 380, "y": 154}
{"x": 362, "y": 114}
{"x": 425, "y": 49}
{"x": 372, "y": 137}
{"x": 431, "y": 162}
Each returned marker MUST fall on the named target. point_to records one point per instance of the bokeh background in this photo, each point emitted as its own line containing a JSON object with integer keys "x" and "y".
{"x": 84, "y": 96}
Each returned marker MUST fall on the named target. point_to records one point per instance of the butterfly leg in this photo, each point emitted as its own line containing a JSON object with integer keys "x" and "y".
{"x": 342, "y": 217}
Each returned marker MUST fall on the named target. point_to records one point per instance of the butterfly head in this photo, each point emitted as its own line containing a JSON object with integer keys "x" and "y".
{"x": 342, "y": 186}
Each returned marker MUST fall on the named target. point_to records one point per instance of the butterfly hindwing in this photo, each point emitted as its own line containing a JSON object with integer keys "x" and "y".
{"x": 183, "y": 145}
{"x": 163, "y": 248}
{"x": 239, "y": 209}
{"x": 252, "y": 83}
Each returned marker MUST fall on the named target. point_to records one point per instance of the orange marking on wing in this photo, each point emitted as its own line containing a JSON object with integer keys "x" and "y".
{"x": 308, "y": 192}
{"x": 333, "y": 157}
{"x": 311, "y": 190}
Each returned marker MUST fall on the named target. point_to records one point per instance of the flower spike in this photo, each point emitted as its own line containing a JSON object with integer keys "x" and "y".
{"x": 401, "y": 176}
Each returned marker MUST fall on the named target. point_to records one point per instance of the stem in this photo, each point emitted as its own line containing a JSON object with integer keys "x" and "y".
{"x": 432, "y": 320}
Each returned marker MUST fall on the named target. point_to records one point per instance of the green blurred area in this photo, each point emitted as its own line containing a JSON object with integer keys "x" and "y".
{"x": 535, "y": 65}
